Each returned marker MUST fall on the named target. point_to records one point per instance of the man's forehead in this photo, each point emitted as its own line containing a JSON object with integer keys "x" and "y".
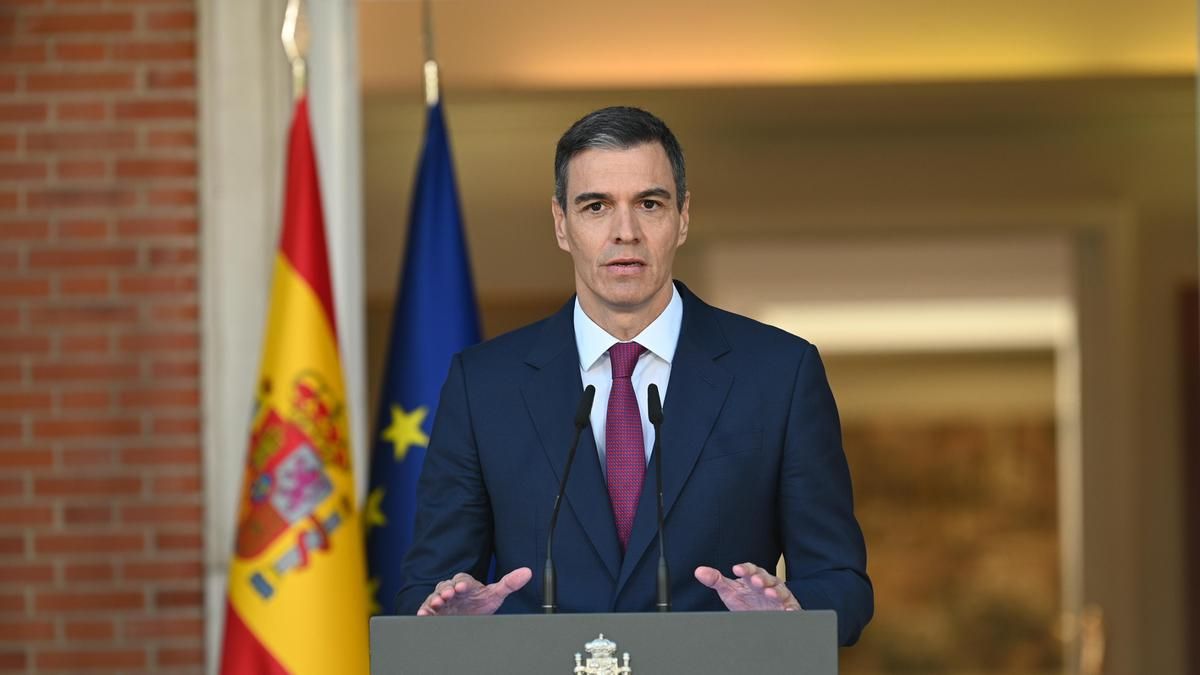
{"x": 639, "y": 167}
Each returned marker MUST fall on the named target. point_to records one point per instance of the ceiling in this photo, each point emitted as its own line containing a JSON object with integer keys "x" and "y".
{"x": 570, "y": 44}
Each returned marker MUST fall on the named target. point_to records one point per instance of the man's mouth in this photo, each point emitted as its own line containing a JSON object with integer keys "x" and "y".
{"x": 625, "y": 263}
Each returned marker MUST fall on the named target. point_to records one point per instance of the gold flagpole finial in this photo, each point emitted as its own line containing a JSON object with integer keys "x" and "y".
{"x": 431, "y": 83}
{"x": 432, "y": 88}
{"x": 295, "y": 45}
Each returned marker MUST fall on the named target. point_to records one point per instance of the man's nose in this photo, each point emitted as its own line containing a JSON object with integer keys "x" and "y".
{"x": 625, "y": 226}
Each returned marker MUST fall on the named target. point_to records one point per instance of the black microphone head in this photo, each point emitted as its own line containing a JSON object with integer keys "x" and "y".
{"x": 584, "y": 413}
{"x": 655, "y": 405}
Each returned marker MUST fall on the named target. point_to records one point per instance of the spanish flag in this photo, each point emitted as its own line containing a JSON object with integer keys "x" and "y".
{"x": 297, "y": 581}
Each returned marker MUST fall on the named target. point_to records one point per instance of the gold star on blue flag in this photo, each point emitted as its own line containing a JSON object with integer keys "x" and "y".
{"x": 434, "y": 319}
{"x": 373, "y": 515}
{"x": 405, "y": 430}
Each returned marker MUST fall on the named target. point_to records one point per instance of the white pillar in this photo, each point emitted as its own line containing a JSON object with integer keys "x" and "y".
{"x": 336, "y": 117}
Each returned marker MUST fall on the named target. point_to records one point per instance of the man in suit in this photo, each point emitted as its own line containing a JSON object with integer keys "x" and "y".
{"x": 752, "y": 459}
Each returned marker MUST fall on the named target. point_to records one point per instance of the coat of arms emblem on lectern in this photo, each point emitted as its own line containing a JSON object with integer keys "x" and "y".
{"x": 601, "y": 660}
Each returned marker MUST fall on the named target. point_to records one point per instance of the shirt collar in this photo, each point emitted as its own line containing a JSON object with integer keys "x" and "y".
{"x": 659, "y": 338}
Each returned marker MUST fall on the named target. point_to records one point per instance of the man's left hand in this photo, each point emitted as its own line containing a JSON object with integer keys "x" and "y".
{"x": 752, "y": 589}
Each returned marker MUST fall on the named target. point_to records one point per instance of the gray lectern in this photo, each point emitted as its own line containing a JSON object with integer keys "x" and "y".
{"x": 799, "y": 643}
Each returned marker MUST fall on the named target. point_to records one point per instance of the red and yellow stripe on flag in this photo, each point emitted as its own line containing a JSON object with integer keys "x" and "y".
{"x": 297, "y": 581}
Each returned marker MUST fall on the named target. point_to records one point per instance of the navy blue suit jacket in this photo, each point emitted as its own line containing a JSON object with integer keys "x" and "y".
{"x": 752, "y": 468}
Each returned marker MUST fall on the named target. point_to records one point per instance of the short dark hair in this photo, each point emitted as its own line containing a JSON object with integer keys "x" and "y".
{"x": 617, "y": 128}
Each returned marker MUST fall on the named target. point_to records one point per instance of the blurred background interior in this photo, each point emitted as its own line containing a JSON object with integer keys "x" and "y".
{"x": 984, "y": 213}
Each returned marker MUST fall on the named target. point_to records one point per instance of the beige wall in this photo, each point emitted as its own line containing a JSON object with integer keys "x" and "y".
{"x": 897, "y": 161}
{"x": 966, "y": 385}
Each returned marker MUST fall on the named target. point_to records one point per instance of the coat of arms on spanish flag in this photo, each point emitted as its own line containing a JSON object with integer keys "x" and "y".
{"x": 297, "y": 580}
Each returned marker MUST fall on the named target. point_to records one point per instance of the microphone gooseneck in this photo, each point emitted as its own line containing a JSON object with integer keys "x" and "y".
{"x": 655, "y": 413}
{"x": 549, "y": 585}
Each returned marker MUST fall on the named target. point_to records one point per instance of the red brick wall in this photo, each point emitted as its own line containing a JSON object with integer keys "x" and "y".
{"x": 100, "y": 502}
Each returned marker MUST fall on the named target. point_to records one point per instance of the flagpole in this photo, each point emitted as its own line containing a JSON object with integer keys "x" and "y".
{"x": 295, "y": 44}
{"x": 432, "y": 88}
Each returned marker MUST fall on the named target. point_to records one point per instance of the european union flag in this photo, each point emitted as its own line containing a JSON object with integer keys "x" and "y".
{"x": 435, "y": 318}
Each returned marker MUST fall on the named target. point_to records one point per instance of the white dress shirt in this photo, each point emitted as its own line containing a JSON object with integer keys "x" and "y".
{"x": 653, "y": 367}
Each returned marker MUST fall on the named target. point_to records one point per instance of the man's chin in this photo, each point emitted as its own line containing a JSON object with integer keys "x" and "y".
{"x": 628, "y": 300}
{"x": 629, "y": 296}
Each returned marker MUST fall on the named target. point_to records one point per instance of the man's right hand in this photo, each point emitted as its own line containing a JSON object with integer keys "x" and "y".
{"x": 463, "y": 595}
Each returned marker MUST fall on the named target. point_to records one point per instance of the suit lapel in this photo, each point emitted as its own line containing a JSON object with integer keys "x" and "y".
{"x": 695, "y": 395}
{"x": 551, "y": 396}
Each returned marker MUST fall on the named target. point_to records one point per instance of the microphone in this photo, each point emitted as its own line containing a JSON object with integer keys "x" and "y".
{"x": 549, "y": 586}
{"x": 656, "y": 417}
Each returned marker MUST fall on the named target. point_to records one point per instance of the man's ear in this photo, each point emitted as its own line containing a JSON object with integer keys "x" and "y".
{"x": 560, "y": 224}
{"x": 683, "y": 217}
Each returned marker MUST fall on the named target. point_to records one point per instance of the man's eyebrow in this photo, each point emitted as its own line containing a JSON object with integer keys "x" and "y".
{"x": 654, "y": 192}
{"x": 591, "y": 196}
{"x": 602, "y": 196}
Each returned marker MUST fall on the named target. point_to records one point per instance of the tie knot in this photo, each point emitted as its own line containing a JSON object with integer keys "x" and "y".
{"x": 624, "y": 356}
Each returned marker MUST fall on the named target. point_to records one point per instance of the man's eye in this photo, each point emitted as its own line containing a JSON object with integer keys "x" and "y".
{"x": 595, "y": 207}
{"x": 650, "y": 204}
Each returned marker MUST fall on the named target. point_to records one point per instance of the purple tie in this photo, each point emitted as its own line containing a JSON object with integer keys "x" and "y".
{"x": 624, "y": 449}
